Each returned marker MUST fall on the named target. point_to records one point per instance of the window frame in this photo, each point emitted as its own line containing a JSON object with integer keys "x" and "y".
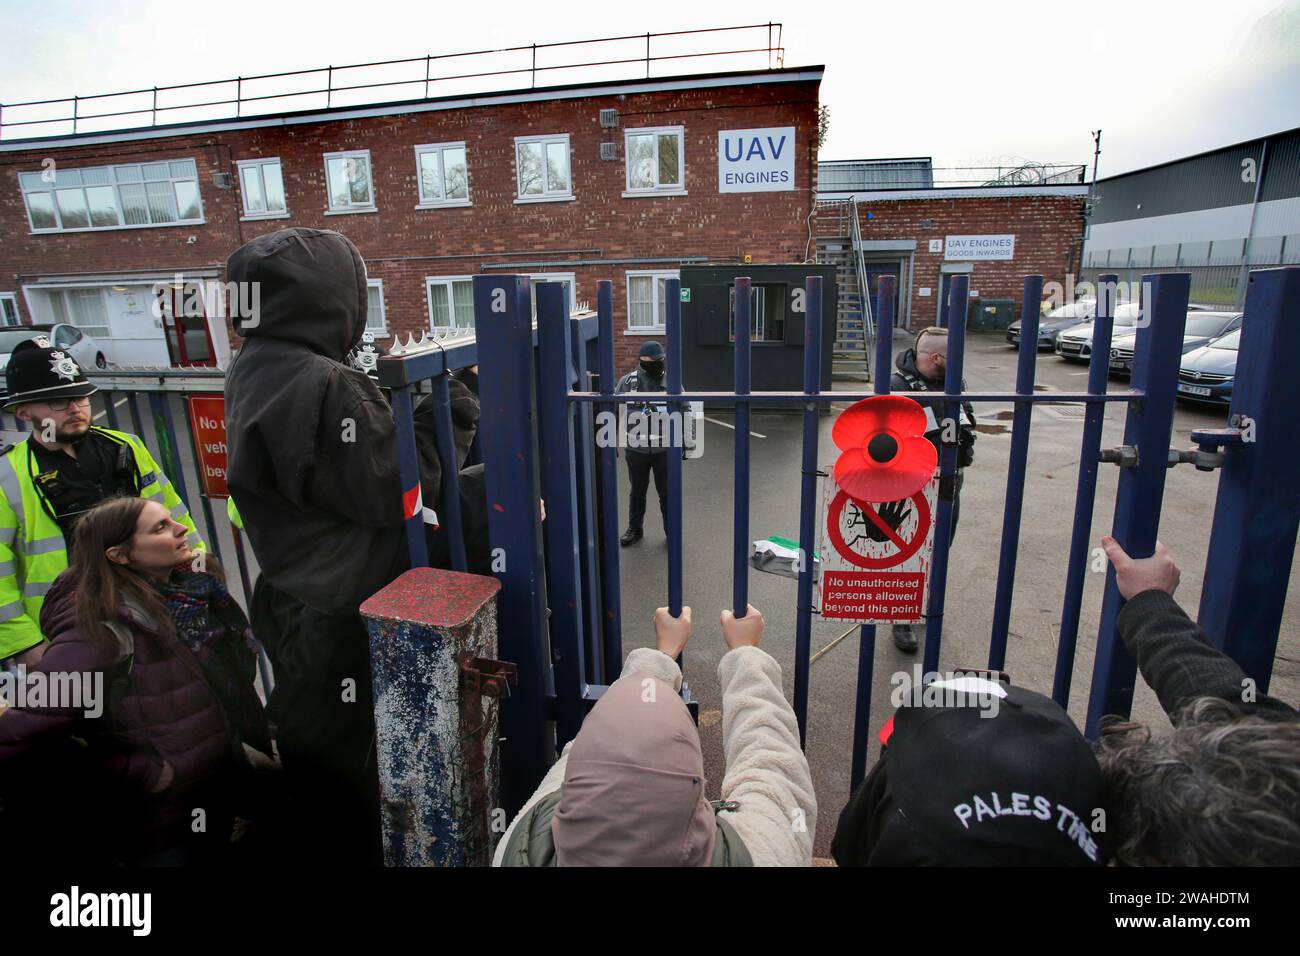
{"x": 380, "y": 331}
{"x": 115, "y": 183}
{"x": 352, "y": 208}
{"x": 536, "y": 277}
{"x": 672, "y": 189}
{"x": 758, "y": 314}
{"x": 448, "y": 281}
{"x": 18, "y": 315}
{"x": 438, "y": 149}
{"x": 62, "y": 312}
{"x": 240, "y": 165}
{"x": 546, "y": 195}
{"x": 654, "y": 275}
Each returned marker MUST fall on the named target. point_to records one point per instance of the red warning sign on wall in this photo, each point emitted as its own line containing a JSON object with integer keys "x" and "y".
{"x": 876, "y": 556}
{"x": 208, "y": 423}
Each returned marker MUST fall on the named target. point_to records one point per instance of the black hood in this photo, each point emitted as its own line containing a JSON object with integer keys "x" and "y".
{"x": 311, "y": 289}
{"x": 905, "y": 361}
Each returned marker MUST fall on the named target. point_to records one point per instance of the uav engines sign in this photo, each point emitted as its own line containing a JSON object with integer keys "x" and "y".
{"x": 756, "y": 160}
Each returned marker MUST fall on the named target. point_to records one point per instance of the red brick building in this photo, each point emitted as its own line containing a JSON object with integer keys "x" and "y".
{"x": 610, "y": 180}
{"x": 924, "y": 232}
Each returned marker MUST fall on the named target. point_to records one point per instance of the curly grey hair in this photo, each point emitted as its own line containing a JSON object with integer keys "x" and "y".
{"x": 1223, "y": 789}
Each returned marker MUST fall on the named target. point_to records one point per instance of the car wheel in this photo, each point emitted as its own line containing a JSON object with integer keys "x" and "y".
{"x": 100, "y": 361}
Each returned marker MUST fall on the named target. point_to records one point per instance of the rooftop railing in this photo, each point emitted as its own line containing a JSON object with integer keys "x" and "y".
{"x": 755, "y": 46}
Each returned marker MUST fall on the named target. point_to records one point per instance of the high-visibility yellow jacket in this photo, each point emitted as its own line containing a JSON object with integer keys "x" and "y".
{"x": 32, "y": 549}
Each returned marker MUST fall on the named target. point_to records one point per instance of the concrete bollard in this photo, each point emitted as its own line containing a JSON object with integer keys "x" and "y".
{"x": 433, "y": 637}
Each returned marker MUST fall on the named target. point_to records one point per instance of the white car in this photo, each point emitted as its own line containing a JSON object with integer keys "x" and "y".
{"x": 85, "y": 351}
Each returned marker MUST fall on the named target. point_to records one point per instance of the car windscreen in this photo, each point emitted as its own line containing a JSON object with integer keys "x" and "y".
{"x": 1229, "y": 341}
{"x": 1074, "y": 310}
{"x": 1211, "y": 325}
{"x": 1127, "y": 314}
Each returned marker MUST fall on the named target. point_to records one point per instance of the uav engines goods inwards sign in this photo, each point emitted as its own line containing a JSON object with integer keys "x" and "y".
{"x": 756, "y": 160}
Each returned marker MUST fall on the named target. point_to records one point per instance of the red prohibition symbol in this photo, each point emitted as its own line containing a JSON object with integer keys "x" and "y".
{"x": 906, "y": 549}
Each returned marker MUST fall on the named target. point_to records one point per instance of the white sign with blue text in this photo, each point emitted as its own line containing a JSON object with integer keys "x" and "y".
{"x": 979, "y": 247}
{"x": 756, "y": 160}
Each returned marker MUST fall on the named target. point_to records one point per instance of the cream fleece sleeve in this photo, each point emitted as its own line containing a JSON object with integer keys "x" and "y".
{"x": 767, "y": 773}
{"x": 644, "y": 660}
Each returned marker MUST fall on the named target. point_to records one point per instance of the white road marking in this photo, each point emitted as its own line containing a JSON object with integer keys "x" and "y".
{"x": 732, "y": 427}
{"x": 117, "y": 404}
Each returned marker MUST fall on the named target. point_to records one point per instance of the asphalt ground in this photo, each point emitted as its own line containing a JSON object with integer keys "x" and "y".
{"x": 1046, "y": 524}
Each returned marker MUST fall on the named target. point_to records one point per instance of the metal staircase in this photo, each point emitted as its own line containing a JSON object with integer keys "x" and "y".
{"x": 839, "y": 243}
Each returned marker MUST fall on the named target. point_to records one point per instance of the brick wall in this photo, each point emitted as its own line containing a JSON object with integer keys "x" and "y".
{"x": 402, "y": 245}
{"x": 1047, "y": 231}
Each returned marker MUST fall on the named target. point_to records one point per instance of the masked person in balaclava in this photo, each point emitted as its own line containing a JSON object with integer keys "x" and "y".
{"x": 314, "y": 474}
{"x": 646, "y": 449}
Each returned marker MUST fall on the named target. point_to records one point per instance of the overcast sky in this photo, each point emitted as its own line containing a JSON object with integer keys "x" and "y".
{"x": 969, "y": 83}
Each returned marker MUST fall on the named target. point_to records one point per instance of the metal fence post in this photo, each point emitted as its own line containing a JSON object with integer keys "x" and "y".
{"x": 607, "y": 466}
{"x": 508, "y": 429}
{"x": 555, "y": 433}
{"x": 1156, "y": 357}
{"x": 1085, "y": 495}
{"x": 1257, "y": 514}
{"x": 812, "y": 382}
{"x": 867, "y": 632}
{"x": 1019, "y": 455}
{"x": 740, "y": 492}
{"x": 957, "y": 310}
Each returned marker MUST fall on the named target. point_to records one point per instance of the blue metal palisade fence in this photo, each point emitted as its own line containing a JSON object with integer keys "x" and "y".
{"x": 559, "y": 607}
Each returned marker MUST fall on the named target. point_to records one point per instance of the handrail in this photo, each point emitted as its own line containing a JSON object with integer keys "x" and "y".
{"x": 773, "y": 48}
{"x": 860, "y": 264}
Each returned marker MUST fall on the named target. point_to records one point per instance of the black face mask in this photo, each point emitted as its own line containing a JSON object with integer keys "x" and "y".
{"x": 653, "y": 369}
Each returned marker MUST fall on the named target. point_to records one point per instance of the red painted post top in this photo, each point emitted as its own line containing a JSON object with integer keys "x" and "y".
{"x": 432, "y": 597}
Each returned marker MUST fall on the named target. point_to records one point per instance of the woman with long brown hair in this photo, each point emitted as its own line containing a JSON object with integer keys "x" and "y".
{"x": 137, "y": 615}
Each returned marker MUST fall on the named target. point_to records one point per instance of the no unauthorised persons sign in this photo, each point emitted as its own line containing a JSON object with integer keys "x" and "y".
{"x": 876, "y": 556}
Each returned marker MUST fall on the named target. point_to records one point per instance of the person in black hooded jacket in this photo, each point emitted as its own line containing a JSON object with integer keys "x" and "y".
{"x": 313, "y": 470}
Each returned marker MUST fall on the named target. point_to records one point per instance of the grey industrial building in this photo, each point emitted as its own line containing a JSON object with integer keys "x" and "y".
{"x": 1216, "y": 215}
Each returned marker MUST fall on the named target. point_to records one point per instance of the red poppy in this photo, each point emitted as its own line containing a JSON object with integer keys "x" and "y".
{"x": 885, "y": 455}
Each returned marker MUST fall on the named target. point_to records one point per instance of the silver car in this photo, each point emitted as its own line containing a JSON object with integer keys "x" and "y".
{"x": 1201, "y": 328}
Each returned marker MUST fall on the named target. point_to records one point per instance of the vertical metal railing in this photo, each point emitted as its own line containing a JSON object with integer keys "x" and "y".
{"x": 812, "y": 386}
{"x": 1016, "y": 466}
{"x": 1085, "y": 494}
{"x": 952, "y": 410}
{"x": 1147, "y": 427}
{"x": 1150, "y": 410}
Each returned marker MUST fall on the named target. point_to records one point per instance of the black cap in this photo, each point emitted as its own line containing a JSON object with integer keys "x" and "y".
{"x": 37, "y": 373}
{"x": 1010, "y": 783}
{"x": 652, "y": 350}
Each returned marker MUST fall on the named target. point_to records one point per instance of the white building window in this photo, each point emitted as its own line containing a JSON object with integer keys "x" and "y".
{"x": 647, "y": 300}
{"x": 443, "y": 175}
{"x": 568, "y": 279}
{"x": 261, "y": 183}
{"x": 542, "y": 168}
{"x": 348, "y": 180}
{"x": 132, "y": 195}
{"x": 83, "y": 308}
{"x": 9, "y": 309}
{"x": 376, "y": 318}
{"x": 451, "y": 303}
{"x": 656, "y": 164}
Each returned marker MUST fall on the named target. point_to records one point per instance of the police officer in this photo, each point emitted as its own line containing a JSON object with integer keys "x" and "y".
{"x": 52, "y": 477}
{"x": 645, "y": 445}
{"x": 922, "y": 369}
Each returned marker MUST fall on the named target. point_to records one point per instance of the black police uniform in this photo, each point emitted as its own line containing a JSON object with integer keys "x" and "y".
{"x": 69, "y": 487}
{"x": 642, "y": 463}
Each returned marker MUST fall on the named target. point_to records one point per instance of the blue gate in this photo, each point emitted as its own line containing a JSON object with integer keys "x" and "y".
{"x": 559, "y": 609}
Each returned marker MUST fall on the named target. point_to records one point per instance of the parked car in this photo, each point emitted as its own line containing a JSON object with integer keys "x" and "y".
{"x": 1201, "y": 328}
{"x": 1207, "y": 373}
{"x": 1051, "y": 324}
{"x": 1075, "y": 344}
{"x": 85, "y": 351}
